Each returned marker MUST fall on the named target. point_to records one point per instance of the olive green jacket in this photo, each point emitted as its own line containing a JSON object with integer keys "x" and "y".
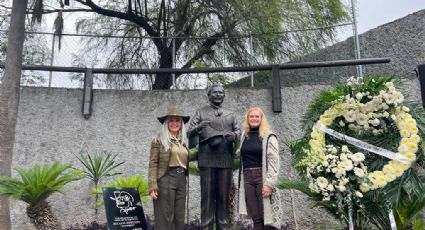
{"x": 159, "y": 161}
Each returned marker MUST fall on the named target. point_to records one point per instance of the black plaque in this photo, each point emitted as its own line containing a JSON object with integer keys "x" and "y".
{"x": 124, "y": 209}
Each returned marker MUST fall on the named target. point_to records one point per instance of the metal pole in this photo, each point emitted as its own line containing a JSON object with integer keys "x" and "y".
{"x": 51, "y": 60}
{"x": 304, "y": 65}
{"x": 356, "y": 38}
{"x": 174, "y": 60}
{"x": 421, "y": 75}
{"x": 251, "y": 51}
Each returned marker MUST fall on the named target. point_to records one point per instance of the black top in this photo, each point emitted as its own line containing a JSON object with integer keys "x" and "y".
{"x": 251, "y": 150}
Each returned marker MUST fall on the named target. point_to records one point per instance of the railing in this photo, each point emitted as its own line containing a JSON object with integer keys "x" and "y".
{"x": 275, "y": 70}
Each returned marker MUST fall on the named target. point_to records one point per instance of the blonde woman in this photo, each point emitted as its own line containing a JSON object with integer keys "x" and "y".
{"x": 259, "y": 152}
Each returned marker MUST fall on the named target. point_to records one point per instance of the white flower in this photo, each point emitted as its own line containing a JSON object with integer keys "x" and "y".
{"x": 330, "y": 188}
{"x": 359, "y": 172}
{"x": 361, "y": 118}
{"x": 347, "y": 164}
{"x": 359, "y": 194}
{"x": 322, "y": 182}
{"x": 341, "y": 123}
{"x": 359, "y": 96}
{"x": 339, "y": 172}
{"x": 405, "y": 109}
{"x": 344, "y": 148}
{"x": 344, "y": 181}
{"x": 341, "y": 188}
{"x": 389, "y": 84}
{"x": 376, "y": 132}
{"x": 358, "y": 157}
{"x": 350, "y": 116}
{"x": 375, "y": 122}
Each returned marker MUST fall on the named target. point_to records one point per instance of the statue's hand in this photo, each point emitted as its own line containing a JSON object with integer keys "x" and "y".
{"x": 230, "y": 137}
{"x": 202, "y": 125}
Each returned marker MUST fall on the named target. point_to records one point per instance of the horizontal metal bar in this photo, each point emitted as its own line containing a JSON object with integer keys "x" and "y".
{"x": 303, "y": 65}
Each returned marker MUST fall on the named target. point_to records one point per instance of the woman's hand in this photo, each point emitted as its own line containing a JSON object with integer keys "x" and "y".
{"x": 154, "y": 194}
{"x": 267, "y": 191}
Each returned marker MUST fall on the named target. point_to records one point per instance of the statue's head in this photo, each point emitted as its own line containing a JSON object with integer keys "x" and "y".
{"x": 216, "y": 94}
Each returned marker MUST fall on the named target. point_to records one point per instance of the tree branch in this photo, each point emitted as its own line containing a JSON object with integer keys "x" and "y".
{"x": 141, "y": 21}
{"x": 205, "y": 48}
{"x": 63, "y": 10}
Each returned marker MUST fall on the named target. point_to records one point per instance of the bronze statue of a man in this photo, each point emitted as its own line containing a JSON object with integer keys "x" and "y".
{"x": 217, "y": 130}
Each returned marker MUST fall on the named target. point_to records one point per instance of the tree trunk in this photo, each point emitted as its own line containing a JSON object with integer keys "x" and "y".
{"x": 9, "y": 99}
{"x": 42, "y": 217}
{"x": 164, "y": 80}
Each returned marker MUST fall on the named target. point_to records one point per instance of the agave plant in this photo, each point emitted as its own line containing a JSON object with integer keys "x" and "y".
{"x": 99, "y": 166}
{"x": 35, "y": 186}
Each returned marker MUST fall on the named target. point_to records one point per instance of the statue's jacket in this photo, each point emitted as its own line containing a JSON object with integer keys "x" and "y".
{"x": 220, "y": 154}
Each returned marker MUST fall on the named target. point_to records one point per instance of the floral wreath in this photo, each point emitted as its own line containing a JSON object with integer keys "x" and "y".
{"x": 366, "y": 111}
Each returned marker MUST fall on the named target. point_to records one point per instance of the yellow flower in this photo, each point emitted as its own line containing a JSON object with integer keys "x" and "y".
{"x": 404, "y": 133}
{"x": 415, "y": 138}
{"x": 403, "y": 148}
{"x": 325, "y": 120}
{"x": 409, "y": 155}
{"x": 413, "y": 130}
{"x": 390, "y": 177}
{"x": 412, "y": 147}
{"x": 387, "y": 169}
{"x": 400, "y": 165}
{"x": 411, "y": 122}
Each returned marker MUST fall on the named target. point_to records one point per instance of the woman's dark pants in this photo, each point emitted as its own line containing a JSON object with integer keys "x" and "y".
{"x": 169, "y": 208}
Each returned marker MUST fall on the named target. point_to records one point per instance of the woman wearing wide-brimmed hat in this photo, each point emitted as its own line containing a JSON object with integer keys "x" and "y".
{"x": 168, "y": 164}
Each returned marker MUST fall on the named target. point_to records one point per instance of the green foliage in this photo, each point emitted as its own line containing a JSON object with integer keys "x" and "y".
{"x": 99, "y": 166}
{"x": 39, "y": 182}
{"x": 193, "y": 168}
{"x": 300, "y": 185}
{"x": 217, "y": 33}
{"x": 130, "y": 182}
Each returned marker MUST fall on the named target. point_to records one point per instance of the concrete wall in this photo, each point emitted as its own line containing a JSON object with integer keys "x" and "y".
{"x": 50, "y": 127}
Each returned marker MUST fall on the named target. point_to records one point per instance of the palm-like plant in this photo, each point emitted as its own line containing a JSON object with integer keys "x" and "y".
{"x": 99, "y": 166}
{"x": 130, "y": 182}
{"x": 35, "y": 186}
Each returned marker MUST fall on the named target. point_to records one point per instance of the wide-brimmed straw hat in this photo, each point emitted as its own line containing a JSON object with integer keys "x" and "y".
{"x": 173, "y": 111}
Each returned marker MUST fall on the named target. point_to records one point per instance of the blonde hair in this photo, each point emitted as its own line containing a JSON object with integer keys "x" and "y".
{"x": 264, "y": 124}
